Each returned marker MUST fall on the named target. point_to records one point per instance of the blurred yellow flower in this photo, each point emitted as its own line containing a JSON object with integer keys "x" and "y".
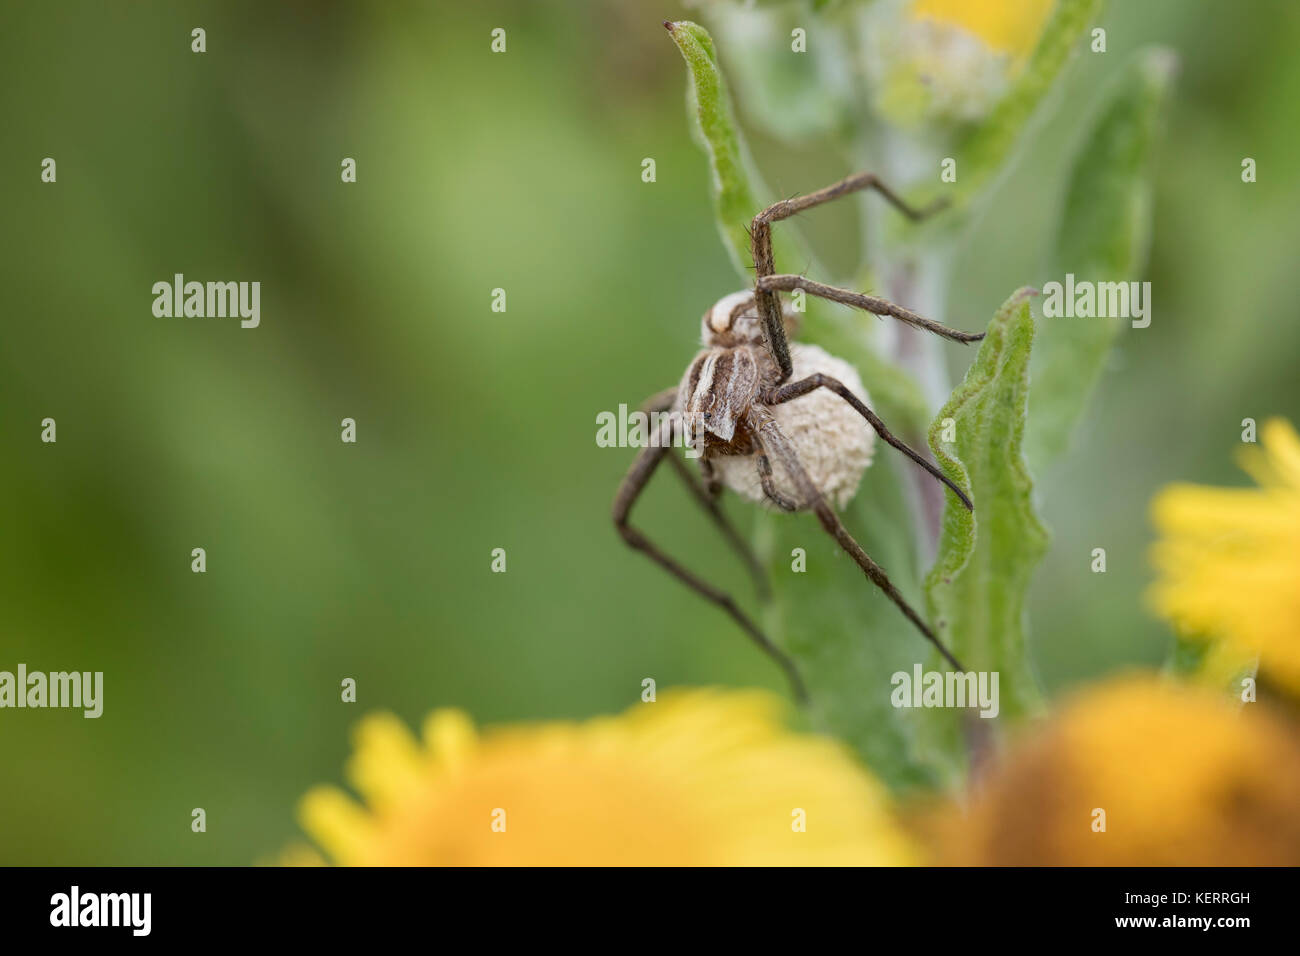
{"x": 1008, "y": 26}
{"x": 947, "y": 61}
{"x": 700, "y": 777}
{"x": 1183, "y": 777}
{"x": 1229, "y": 560}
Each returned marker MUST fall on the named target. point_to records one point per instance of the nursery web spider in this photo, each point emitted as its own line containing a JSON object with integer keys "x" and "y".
{"x": 736, "y": 389}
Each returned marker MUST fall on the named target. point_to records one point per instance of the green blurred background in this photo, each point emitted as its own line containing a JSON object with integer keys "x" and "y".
{"x": 476, "y": 429}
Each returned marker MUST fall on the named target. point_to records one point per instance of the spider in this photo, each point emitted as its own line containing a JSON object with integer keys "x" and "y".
{"x": 739, "y": 391}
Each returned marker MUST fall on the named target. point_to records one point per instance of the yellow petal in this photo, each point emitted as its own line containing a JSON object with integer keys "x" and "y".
{"x": 1009, "y": 26}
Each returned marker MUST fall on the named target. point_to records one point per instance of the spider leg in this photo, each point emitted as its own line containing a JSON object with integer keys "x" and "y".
{"x": 870, "y": 303}
{"x": 769, "y": 486}
{"x": 771, "y": 436}
{"x": 712, "y": 483}
{"x": 634, "y": 483}
{"x": 793, "y": 390}
{"x": 769, "y": 306}
{"x": 707, "y": 495}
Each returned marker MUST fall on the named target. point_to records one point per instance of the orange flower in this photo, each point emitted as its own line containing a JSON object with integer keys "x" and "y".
{"x": 1177, "y": 776}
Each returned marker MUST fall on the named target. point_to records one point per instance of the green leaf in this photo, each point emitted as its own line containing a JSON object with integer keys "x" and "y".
{"x": 1102, "y": 237}
{"x": 845, "y": 636}
{"x": 985, "y": 151}
{"x": 976, "y": 589}
{"x": 736, "y": 187}
{"x": 736, "y": 197}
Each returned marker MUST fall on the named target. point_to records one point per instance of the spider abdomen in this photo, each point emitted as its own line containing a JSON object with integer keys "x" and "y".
{"x": 829, "y": 436}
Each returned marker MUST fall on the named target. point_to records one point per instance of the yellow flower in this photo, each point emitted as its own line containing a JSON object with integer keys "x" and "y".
{"x": 1183, "y": 777}
{"x": 1229, "y": 560}
{"x": 700, "y": 777}
{"x": 947, "y": 61}
{"x": 1008, "y": 26}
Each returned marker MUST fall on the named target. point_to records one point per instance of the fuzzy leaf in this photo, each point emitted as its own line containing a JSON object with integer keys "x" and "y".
{"x": 976, "y": 589}
{"x": 846, "y": 637}
{"x": 737, "y": 197}
{"x": 736, "y": 187}
{"x": 1102, "y": 237}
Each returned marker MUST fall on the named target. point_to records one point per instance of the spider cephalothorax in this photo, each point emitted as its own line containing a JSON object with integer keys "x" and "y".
{"x": 752, "y": 397}
{"x": 725, "y": 382}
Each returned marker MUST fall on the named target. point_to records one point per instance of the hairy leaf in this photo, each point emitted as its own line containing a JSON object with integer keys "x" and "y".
{"x": 738, "y": 196}
{"x": 736, "y": 188}
{"x": 846, "y": 637}
{"x": 976, "y": 589}
{"x": 1102, "y": 237}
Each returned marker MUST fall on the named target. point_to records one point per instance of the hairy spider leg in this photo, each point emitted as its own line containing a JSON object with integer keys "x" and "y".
{"x": 633, "y": 484}
{"x": 707, "y": 496}
{"x": 775, "y": 441}
{"x": 760, "y": 237}
{"x": 869, "y": 303}
{"x": 793, "y": 390}
{"x": 769, "y": 486}
{"x": 708, "y": 500}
